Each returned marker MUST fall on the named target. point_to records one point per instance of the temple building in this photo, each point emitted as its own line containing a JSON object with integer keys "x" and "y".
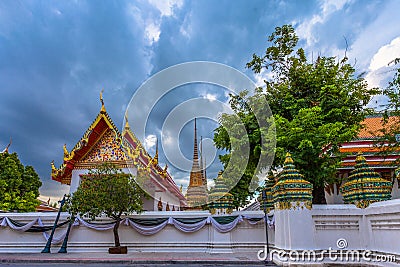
{"x": 103, "y": 142}
{"x": 197, "y": 190}
{"x": 366, "y": 144}
{"x": 384, "y": 164}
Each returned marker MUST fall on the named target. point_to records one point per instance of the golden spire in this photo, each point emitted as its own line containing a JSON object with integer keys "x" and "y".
{"x": 164, "y": 172}
{"x": 103, "y": 109}
{"x": 126, "y": 122}
{"x": 53, "y": 167}
{"x": 196, "y": 178}
{"x": 66, "y": 153}
{"x": 155, "y": 159}
{"x": 203, "y": 163}
{"x": 181, "y": 188}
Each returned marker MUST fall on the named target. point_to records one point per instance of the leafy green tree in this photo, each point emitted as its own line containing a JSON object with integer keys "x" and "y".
{"x": 317, "y": 105}
{"x": 392, "y": 108}
{"x": 250, "y": 112}
{"x": 106, "y": 191}
{"x": 388, "y": 140}
{"x": 19, "y": 184}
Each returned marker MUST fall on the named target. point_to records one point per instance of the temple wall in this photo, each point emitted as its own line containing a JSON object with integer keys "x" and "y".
{"x": 148, "y": 204}
{"x": 244, "y": 237}
{"x": 337, "y": 198}
{"x": 166, "y": 197}
{"x": 376, "y": 228}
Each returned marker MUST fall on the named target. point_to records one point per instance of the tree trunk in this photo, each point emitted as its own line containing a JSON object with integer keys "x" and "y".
{"x": 116, "y": 236}
{"x": 319, "y": 195}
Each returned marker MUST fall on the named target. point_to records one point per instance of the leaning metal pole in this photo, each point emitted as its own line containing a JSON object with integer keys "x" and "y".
{"x": 48, "y": 244}
{"x": 264, "y": 199}
{"x": 63, "y": 248}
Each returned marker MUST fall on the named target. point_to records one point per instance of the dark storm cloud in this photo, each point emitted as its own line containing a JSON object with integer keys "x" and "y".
{"x": 55, "y": 57}
{"x": 223, "y": 32}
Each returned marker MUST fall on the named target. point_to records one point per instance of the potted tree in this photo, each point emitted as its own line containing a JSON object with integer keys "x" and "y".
{"x": 107, "y": 191}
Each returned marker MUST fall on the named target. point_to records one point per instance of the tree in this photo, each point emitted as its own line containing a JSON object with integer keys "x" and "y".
{"x": 389, "y": 142}
{"x": 250, "y": 112}
{"x": 316, "y": 106}
{"x": 19, "y": 184}
{"x": 107, "y": 191}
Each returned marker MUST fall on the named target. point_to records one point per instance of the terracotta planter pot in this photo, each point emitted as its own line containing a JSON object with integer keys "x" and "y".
{"x": 118, "y": 250}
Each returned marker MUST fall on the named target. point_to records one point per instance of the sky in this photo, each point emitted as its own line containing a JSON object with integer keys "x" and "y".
{"x": 56, "y": 57}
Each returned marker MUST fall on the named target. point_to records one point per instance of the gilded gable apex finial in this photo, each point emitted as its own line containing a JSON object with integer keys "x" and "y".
{"x": 126, "y": 121}
{"x": 103, "y": 109}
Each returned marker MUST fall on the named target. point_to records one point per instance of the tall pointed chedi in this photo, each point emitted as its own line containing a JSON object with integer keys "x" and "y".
{"x": 197, "y": 191}
{"x": 203, "y": 163}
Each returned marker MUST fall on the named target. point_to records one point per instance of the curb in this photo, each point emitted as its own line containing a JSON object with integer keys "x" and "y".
{"x": 133, "y": 262}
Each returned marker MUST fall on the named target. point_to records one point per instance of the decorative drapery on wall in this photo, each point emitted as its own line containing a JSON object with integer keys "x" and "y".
{"x": 152, "y": 226}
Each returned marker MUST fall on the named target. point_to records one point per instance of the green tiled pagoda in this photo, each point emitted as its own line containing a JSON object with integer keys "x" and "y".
{"x": 267, "y": 204}
{"x": 221, "y": 201}
{"x": 364, "y": 186}
{"x": 291, "y": 190}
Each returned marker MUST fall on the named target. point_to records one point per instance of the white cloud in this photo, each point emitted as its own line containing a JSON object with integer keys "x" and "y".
{"x": 166, "y": 7}
{"x": 378, "y": 33}
{"x": 186, "y": 28}
{"x": 150, "y": 141}
{"x": 380, "y": 73}
{"x": 385, "y": 55}
{"x": 152, "y": 32}
{"x": 328, "y": 7}
{"x": 209, "y": 97}
{"x": 151, "y": 22}
{"x": 263, "y": 75}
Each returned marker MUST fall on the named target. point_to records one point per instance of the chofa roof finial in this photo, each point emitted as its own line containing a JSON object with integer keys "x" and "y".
{"x": 6, "y": 148}
{"x": 103, "y": 109}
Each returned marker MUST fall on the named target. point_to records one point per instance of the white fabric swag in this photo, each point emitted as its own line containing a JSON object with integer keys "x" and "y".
{"x": 140, "y": 228}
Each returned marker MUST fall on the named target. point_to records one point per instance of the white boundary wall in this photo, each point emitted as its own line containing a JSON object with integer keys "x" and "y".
{"x": 244, "y": 237}
{"x": 376, "y": 228}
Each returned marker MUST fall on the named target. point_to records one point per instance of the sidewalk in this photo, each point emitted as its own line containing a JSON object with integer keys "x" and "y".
{"x": 134, "y": 258}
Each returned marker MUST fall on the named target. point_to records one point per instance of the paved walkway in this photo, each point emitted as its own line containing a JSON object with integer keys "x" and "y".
{"x": 135, "y": 258}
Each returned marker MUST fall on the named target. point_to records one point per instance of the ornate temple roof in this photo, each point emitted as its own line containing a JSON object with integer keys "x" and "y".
{"x": 373, "y": 124}
{"x": 365, "y": 143}
{"x": 101, "y": 142}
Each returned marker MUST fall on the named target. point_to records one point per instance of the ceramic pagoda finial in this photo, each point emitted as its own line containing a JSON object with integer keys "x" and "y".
{"x": 288, "y": 159}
